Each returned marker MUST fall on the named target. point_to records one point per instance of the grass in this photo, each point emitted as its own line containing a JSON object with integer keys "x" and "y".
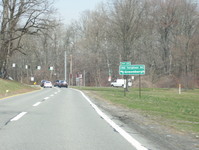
{"x": 170, "y": 108}
{"x": 8, "y": 88}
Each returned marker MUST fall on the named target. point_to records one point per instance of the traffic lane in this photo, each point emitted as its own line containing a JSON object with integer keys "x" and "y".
{"x": 65, "y": 121}
{"x": 10, "y": 107}
{"x": 91, "y": 127}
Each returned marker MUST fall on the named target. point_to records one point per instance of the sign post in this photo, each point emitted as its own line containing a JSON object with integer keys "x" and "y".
{"x": 125, "y": 81}
{"x": 126, "y": 68}
{"x": 139, "y": 86}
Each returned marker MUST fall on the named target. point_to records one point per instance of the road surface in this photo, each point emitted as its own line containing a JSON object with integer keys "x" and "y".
{"x": 59, "y": 119}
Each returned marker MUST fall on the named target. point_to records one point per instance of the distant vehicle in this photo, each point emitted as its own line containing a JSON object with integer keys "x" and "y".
{"x": 56, "y": 83}
{"x": 63, "y": 83}
{"x": 120, "y": 83}
{"x": 42, "y": 83}
{"x": 48, "y": 84}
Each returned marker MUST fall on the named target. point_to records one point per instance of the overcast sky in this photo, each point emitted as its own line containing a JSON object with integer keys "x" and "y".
{"x": 71, "y": 9}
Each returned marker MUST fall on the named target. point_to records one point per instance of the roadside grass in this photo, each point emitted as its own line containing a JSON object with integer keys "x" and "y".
{"x": 8, "y": 88}
{"x": 180, "y": 111}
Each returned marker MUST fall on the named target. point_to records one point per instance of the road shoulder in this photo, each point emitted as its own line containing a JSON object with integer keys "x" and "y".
{"x": 162, "y": 136}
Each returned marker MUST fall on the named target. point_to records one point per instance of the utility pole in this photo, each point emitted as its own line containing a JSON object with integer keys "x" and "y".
{"x": 84, "y": 78}
{"x": 71, "y": 69}
{"x": 65, "y": 64}
{"x": 71, "y": 64}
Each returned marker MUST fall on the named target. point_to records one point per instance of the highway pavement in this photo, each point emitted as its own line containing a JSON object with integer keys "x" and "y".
{"x": 59, "y": 119}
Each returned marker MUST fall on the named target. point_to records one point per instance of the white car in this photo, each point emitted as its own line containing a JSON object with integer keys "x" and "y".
{"x": 120, "y": 83}
{"x": 48, "y": 84}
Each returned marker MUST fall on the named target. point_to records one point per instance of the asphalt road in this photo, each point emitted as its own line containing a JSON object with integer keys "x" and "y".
{"x": 59, "y": 119}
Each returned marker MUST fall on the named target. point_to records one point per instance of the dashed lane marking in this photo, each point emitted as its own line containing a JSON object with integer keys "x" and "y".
{"x": 18, "y": 116}
{"x": 36, "y": 104}
{"x": 46, "y": 98}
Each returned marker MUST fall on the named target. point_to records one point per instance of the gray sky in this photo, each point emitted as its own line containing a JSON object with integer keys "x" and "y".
{"x": 72, "y": 9}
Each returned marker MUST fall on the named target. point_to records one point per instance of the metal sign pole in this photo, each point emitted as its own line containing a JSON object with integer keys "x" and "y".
{"x": 139, "y": 86}
{"x": 124, "y": 87}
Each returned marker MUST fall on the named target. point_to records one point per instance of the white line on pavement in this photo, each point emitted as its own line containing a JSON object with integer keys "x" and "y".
{"x": 46, "y": 98}
{"x": 18, "y": 116}
{"x": 36, "y": 104}
{"x": 52, "y": 95}
{"x": 122, "y": 132}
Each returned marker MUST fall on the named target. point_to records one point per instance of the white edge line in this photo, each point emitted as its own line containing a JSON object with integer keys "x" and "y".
{"x": 36, "y": 104}
{"x": 18, "y": 116}
{"x": 122, "y": 132}
{"x": 46, "y": 98}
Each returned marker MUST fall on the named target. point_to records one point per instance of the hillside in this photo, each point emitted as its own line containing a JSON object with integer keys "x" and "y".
{"x": 9, "y": 88}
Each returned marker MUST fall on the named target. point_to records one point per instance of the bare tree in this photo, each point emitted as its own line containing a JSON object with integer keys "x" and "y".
{"x": 94, "y": 44}
{"x": 165, "y": 19}
{"x": 162, "y": 34}
{"x": 20, "y": 17}
{"x": 176, "y": 25}
{"x": 126, "y": 19}
{"x": 185, "y": 35}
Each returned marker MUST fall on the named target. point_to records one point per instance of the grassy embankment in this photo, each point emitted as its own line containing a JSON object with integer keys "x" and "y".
{"x": 166, "y": 105}
{"x": 8, "y": 88}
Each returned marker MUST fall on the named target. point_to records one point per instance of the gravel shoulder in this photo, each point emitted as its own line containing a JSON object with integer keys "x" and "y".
{"x": 154, "y": 134}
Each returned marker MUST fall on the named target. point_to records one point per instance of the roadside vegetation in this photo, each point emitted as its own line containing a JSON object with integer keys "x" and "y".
{"x": 8, "y": 88}
{"x": 179, "y": 111}
{"x": 163, "y": 35}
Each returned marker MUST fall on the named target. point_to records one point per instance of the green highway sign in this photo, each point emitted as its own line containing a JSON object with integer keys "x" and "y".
{"x": 132, "y": 69}
{"x": 125, "y": 63}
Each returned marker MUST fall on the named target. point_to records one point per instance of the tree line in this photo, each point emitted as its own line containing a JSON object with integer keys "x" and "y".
{"x": 161, "y": 34}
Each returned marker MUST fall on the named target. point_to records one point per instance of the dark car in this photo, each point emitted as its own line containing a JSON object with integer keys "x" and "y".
{"x": 63, "y": 83}
{"x": 56, "y": 83}
{"x": 42, "y": 83}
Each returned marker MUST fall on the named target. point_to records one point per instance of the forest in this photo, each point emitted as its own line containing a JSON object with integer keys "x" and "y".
{"x": 163, "y": 35}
